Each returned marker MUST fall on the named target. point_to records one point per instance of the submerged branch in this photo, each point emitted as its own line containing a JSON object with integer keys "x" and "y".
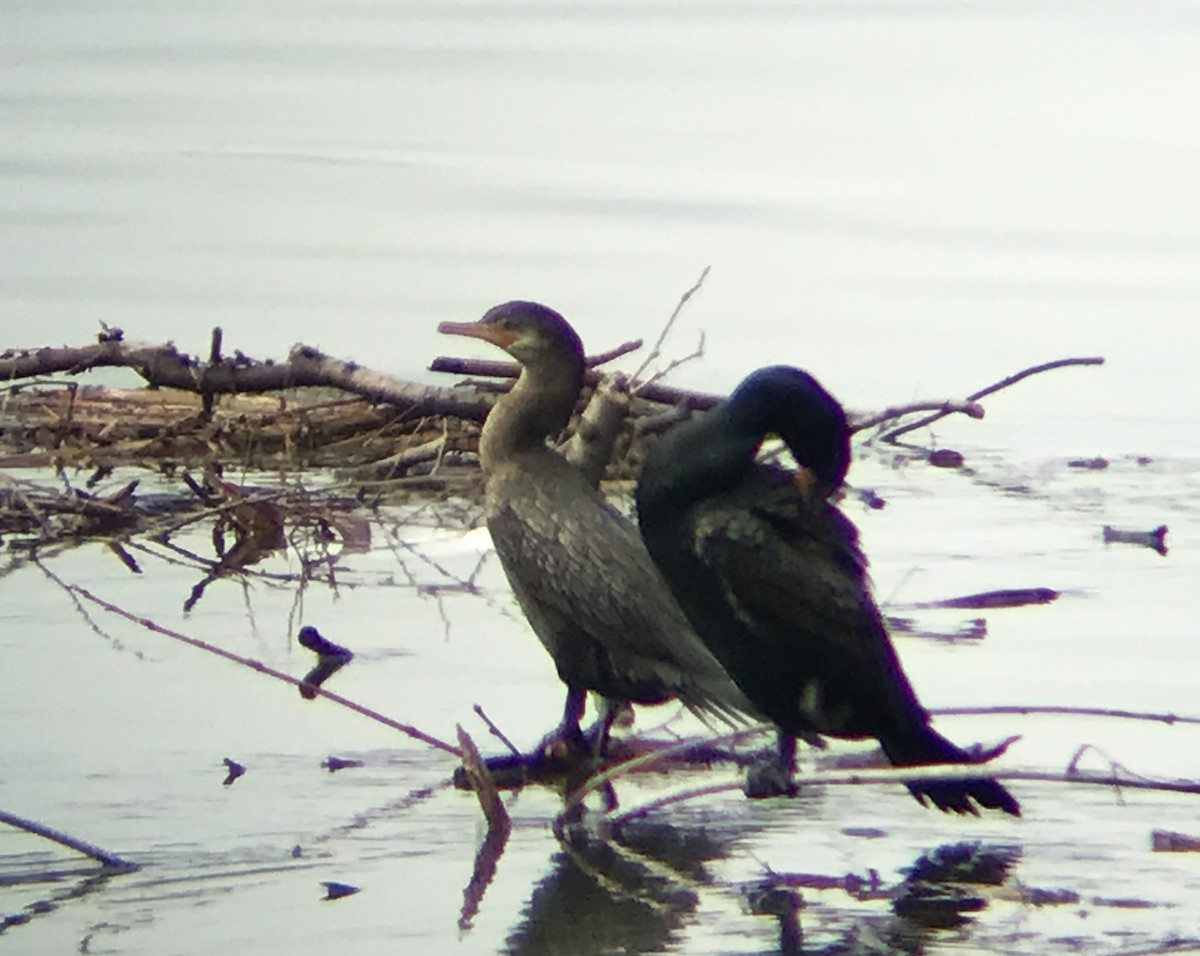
{"x": 108, "y": 860}
{"x": 499, "y": 827}
{"x": 900, "y": 775}
{"x": 1022, "y": 710}
{"x": 406, "y": 729}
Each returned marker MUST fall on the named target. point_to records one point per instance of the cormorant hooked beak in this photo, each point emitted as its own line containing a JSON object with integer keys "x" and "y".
{"x": 504, "y": 338}
{"x": 806, "y": 481}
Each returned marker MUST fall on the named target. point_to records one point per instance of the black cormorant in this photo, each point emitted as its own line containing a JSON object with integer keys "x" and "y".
{"x": 773, "y": 579}
{"x": 578, "y": 568}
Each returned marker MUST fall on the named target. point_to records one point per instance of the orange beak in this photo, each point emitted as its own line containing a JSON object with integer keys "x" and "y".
{"x": 806, "y": 481}
{"x": 480, "y": 330}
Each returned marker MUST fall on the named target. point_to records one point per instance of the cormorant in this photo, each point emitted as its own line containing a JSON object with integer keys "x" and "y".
{"x": 771, "y": 575}
{"x": 577, "y": 567}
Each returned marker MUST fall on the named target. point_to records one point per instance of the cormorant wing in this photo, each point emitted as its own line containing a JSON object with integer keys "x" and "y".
{"x": 795, "y": 580}
{"x": 593, "y": 594}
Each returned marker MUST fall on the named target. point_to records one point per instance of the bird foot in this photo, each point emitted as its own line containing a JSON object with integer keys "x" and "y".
{"x": 764, "y": 780}
{"x": 557, "y": 756}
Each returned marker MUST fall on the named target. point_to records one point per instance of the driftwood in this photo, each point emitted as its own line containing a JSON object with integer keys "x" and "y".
{"x": 81, "y": 593}
{"x": 217, "y": 409}
{"x": 498, "y": 829}
{"x": 308, "y": 411}
{"x": 164, "y": 366}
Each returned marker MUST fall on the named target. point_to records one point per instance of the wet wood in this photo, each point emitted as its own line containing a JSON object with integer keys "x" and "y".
{"x": 107, "y": 860}
{"x": 313, "y": 409}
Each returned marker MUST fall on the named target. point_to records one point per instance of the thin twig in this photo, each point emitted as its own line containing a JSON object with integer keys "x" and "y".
{"x": 990, "y": 389}
{"x": 656, "y": 351}
{"x": 645, "y": 760}
{"x": 948, "y": 407}
{"x": 496, "y": 731}
{"x": 83, "y": 611}
{"x": 603, "y": 358}
{"x": 679, "y": 796}
{"x": 262, "y": 668}
{"x": 891, "y": 775}
{"x": 670, "y": 367}
{"x": 1009, "y": 709}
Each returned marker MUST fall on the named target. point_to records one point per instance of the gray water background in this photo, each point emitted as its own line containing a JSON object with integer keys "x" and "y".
{"x": 911, "y": 199}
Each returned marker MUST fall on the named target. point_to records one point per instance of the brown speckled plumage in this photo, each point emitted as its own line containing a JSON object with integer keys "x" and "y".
{"x": 578, "y": 568}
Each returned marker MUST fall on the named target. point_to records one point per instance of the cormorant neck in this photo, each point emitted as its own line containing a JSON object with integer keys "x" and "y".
{"x": 696, "y": 460}
{"x": 537, "y": 407}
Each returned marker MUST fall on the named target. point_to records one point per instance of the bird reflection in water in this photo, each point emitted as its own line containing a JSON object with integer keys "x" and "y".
{"x": 631, "y": 893}
{"x": 643, "y": 889}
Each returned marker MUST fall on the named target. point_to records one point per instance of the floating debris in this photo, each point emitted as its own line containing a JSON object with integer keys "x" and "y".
{"x": 235, "y": 770}
{"x": 866, "y": 833}
{"x": 331, "y": 658}
{"x": 1168, "y": 841}
{"x": 1038, "y": 896}
{"x": 1090, "y": 464}
{"x": 334, "y": 764}
{"x": 1124, "y": 902}
{"x": 1156, "y": 539}
{"x": 946, "y": 458}
{"x": 1005, "y": 597}
{"x": 870, "y": 498}
{"x": 335, "y": 891}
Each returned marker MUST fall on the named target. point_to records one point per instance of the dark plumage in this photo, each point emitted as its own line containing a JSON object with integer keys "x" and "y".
{"x": 772, "y": 576}
{"x": 578, "y": 569}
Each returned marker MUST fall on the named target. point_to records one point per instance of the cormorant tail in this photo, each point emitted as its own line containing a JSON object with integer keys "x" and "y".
{"x": 958, "y": 796}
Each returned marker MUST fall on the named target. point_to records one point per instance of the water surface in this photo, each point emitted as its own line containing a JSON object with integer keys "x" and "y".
{"x": 911, "y": 199}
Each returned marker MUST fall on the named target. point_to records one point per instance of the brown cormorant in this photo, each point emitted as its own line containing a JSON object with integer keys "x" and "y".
{"x": 771, "y": 575}
{"x": 577, "y": 567}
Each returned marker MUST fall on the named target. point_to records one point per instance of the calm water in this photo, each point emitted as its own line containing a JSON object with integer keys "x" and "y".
{"x": 911, "y": 199}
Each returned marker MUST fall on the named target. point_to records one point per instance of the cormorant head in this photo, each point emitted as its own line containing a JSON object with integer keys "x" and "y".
{"x": 531, "y": 333}
{"x": 790, "y": 403}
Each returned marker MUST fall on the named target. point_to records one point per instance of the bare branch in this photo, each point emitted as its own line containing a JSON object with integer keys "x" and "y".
{"x": 603, "y": 358}
{"x": 698, "y": 352}
{"x": 948, "y": 407}
{"x": 406, "y": 729}
{"x": 499, "y": 827}
{"x": 890, "y": 775}
{"x": 103, "y": 857}
{"x": 1010, "y": 709}
{"x": 991, "y": 389}
{"x": 165, "y": 366}
{"x": 496, "y": 731}
{"x": 656, "y": 351}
